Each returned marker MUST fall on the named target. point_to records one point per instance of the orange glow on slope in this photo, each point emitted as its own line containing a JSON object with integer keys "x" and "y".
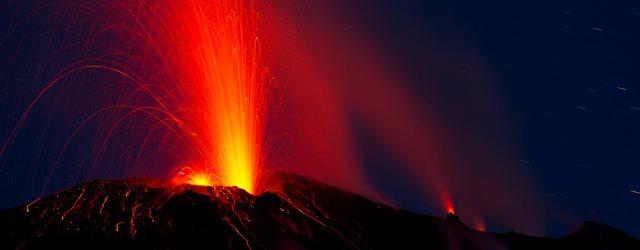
{"x": 212, "y": 48}
{"x": 189, "y": 176}
{"x": 479, "y": 225}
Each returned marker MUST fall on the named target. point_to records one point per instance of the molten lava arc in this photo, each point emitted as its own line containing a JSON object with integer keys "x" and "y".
{"x": 214, "y": 50}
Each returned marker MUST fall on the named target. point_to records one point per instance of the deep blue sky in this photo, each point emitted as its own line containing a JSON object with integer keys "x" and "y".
{"x": 568, "y": 72}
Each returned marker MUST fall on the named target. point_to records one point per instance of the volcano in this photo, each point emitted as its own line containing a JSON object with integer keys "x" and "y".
{"x": 302, "y": 214}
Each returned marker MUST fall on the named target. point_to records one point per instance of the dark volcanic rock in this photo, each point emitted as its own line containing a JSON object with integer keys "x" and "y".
{"x": 303, "y": 214}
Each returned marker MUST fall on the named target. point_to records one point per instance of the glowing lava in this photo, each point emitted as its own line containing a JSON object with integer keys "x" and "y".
{"x": 199, "y": 180}
{"x": 449, "y": 207}
{"x": 212, "y": 49}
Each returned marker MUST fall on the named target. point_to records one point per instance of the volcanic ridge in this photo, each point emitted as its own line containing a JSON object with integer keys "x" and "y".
{"x": 302, "y": 214}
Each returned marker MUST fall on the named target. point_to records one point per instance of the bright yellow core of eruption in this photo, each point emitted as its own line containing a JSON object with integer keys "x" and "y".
{"x": 199, "y": 180}
{"x": 237, "y": 161}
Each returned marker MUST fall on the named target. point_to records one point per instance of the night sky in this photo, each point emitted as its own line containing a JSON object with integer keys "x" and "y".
{"x": 565, "y": 74}
{"x": 568, "y": 75}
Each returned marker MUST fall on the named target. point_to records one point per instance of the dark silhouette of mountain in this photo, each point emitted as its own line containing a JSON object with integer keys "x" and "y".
{"x": 302, "y": 214}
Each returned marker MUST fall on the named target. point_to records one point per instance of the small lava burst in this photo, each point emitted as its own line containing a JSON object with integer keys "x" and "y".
{"x": 187, "y": 175}
{"x": 450, "y": 209}
{"x": 199, "y": 180}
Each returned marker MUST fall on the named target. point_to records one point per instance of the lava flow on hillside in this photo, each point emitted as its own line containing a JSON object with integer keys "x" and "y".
{"x": 304, "y": 215}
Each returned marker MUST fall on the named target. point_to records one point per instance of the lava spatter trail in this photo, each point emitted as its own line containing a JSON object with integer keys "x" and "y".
{"x": 305, "y": 214}
{"x": 212, "y": 49}
{"x": 185, "y": 81}
{"x": 193, "y": 216}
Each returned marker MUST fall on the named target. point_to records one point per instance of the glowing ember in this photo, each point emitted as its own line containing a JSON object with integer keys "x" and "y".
{"x": 449, "y": 207}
